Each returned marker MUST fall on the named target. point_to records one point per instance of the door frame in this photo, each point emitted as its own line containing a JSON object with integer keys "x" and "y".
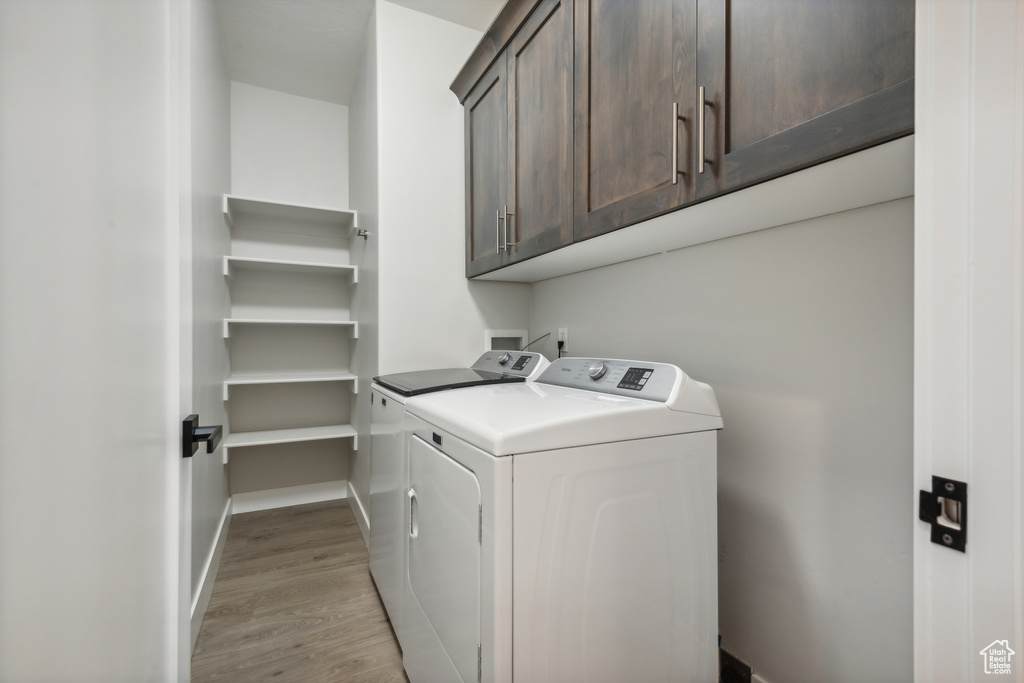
{"x": 969, "y": 309}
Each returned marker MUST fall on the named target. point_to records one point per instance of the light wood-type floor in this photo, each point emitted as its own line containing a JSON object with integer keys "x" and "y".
{"x": 293, "y": 601}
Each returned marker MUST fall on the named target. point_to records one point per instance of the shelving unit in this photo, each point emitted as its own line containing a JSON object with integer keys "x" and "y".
{"x": 289, "y": 336}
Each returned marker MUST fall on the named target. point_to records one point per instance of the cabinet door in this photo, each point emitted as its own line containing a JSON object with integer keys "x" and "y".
{"x": 486, "y": 112}
{"x": 635, "y": 60}
{"x": 540, "y": 131}
{"x": 790, "y": 84}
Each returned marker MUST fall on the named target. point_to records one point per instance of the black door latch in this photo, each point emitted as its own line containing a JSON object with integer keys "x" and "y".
{"x": 945, "y": 508}
{"x": 192, "y": 434}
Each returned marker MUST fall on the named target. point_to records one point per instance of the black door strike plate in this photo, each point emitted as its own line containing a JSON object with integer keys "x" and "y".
{"x": 945, "y": 509}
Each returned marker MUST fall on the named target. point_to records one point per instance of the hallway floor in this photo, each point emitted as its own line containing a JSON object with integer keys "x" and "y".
{"x": 293, "y": 601}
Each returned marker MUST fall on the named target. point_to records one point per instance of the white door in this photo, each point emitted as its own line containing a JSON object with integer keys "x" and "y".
{"x": 968, "y": 355}
{"x": 91, "y": 353}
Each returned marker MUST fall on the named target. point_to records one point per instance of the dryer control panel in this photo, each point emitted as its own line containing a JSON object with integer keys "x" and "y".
{"x": 635, "y": 379}
{"x": 519, "y": 363}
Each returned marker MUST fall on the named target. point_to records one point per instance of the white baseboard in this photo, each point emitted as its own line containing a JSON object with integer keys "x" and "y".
{"x": 359, "y": 511}
{"x": 289, "y": 495}
{"x": 201, "y": 600}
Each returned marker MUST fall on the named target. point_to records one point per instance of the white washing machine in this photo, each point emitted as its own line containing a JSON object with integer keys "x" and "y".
{"x": 564, "y": 529}
{"x": 389, "y": 464}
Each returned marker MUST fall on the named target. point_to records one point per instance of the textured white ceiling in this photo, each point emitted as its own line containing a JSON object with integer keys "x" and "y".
{"x": 476, "y": 14}
{"x": 313, "y": 48}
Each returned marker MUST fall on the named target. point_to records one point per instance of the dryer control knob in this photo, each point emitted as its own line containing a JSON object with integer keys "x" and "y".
{"x": 504, "y": 358}
{"x": 597, "y": 370}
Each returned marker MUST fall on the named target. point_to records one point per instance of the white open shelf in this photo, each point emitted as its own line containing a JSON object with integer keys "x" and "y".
{"x": 247, "y": 378}
{"x": 279, "y": 436}
{"x": 233, "y": 264}
{"x": 228, "y": 322}
{"x": 290, "y": 282}
{"x": 235, "y": 206}
{"x": 287, "y": 496}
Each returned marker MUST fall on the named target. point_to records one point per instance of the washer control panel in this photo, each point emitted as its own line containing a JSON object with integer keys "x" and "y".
{"x": 518, "y": 363}
{"x": 636, "y": 379}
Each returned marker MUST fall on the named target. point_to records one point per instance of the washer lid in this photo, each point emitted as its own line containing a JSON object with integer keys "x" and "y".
{"x": 494, "y": 367}
{"x": 522, "y": 418}
{"x": 425, "y": 381}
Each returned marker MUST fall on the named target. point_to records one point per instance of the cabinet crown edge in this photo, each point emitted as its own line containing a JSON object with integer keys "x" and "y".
{"x": 513, "y": 15}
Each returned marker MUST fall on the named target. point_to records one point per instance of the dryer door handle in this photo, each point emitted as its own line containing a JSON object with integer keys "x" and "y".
{"x": 414, "y": 527}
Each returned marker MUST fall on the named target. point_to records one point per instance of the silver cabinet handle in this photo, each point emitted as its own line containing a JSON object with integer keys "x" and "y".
{"x": 501, "y": 219}
{"x": 676, "y": 118}
{"x": 701, "y": 103}
{"x": 504, "y": 218}
{"x": 414, "y": 528}
{"x": 497, "y": 232}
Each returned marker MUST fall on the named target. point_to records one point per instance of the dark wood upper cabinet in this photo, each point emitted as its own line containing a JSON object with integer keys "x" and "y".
{"x": 486, "y": 113}
{"x": 585, "y": 116}
{"x": 540, "y": 132}
{"x": 792, "y": 83}
{"x": 635, "y": 103}
{"x": 519, "y": 143}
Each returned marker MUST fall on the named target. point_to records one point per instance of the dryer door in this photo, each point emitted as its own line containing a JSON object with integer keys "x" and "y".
{"x": 444, "y": 556}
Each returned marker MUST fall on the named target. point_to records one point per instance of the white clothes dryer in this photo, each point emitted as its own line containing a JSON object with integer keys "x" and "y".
{"x": 564, "y": 529}
{"x": 389, "y": 462}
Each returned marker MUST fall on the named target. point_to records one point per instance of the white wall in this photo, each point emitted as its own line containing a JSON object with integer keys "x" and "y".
{"x": 288, "y": 148}
{"x": 416, "y": 308}
{"x": 805, "y": 333}
{"x": 363, "y": 151}
{"x": 430, "y": 315}
{"x": 211, "y": 178}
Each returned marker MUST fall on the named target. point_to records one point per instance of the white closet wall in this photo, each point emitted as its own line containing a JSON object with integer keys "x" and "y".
{"x": 211, "y": 178}
{"x": 289, "y": 148}
{"x": 364, "y": 189}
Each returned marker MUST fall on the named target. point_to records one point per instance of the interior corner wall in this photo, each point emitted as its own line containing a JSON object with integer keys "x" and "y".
{"x": 805, "y": 332}
{"x": 211, "y": 178}
{"x": 288, "y": 148}
{"x": 430, "y": 314}
{"x": 365, "y": 254}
